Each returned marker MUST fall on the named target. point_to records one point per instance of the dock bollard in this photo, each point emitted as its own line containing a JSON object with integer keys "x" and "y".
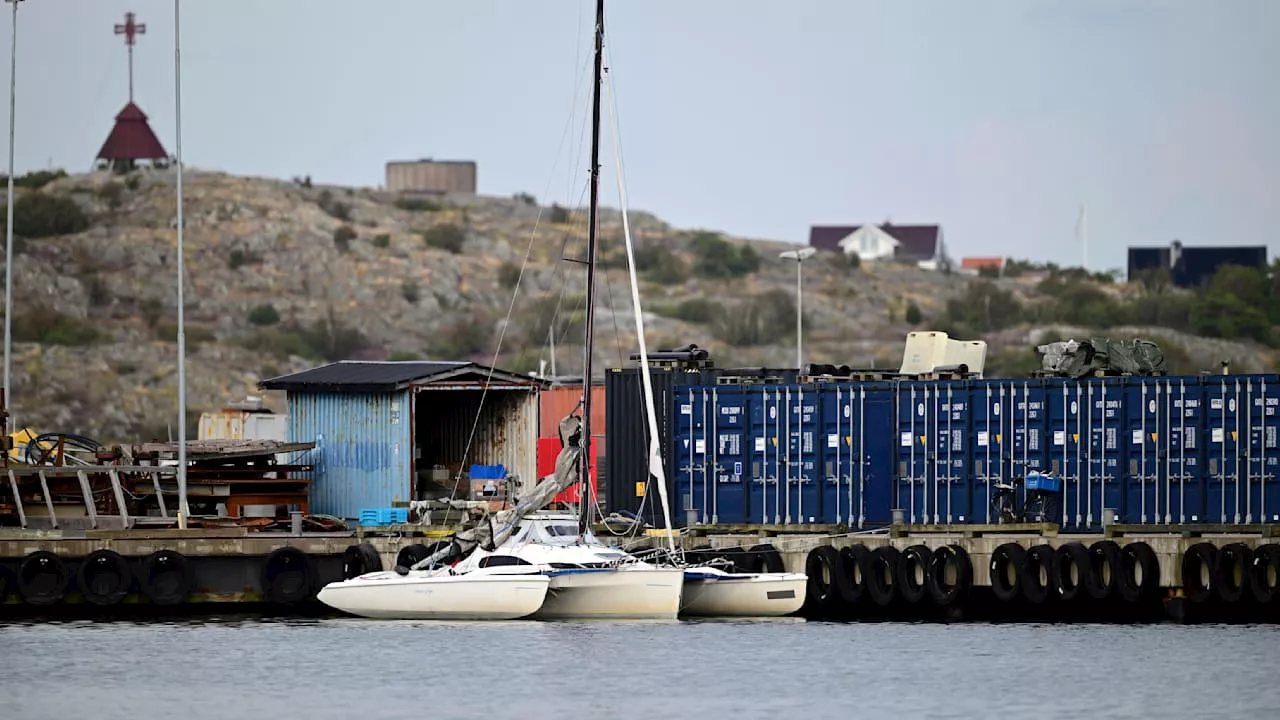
{"x": 899, "y": 516}
{"x": 1108, "y": 517}
{"x": 295, "y": 521}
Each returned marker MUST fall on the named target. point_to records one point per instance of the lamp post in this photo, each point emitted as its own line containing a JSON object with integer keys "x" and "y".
{"x": 182, "y": 331}
{"x": 799, "y": 256}
{"x": 8, "y": 232}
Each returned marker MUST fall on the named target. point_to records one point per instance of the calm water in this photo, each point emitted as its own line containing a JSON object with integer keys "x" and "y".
{"x": 313, "y": 669}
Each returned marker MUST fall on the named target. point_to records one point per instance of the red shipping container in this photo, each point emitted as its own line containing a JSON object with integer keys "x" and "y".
{"x": 548, "y": 450}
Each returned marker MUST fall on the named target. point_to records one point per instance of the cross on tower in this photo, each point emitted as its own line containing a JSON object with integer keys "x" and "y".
{"x": 130, "y": 30}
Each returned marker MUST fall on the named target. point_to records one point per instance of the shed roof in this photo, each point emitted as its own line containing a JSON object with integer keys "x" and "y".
{"x": 364, "y": 376}
{"x": 131, "y": 138}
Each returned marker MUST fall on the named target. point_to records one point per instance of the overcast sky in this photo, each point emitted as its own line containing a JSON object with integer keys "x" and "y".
{"x": 996, "y": 119}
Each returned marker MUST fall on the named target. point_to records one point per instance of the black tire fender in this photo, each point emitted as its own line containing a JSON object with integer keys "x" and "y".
{"x": 410, "y": 555}
{"x": 1264, "y": 573}
{"x": 167, "y": 577}
{"x": 944, "y": 590}
{"x": 42, "y": 578}
{"x": 1036, "y": 577}
{"x": 104, "y": 577}
{"x": 852, "y": 583}
{"x": 287, "y": 576}
{"x": 1104, "y": 569}
{"x": 1231, "y": 571}
{"x": 1198, "y": 564}
{"x": 1139, "y": 577}
{"x": 1072, "y": 569}
{"x": 913, "y": 573}
{"x": 823, "y": 567}
{"x": 359, "y": 560}
{"x": 882, "y": 578}
{"x": 772, "y": 558}
{"x": 1006, "y": 571}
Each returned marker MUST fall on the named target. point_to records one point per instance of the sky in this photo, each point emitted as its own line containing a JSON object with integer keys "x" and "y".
{"x": 996, "y": 119}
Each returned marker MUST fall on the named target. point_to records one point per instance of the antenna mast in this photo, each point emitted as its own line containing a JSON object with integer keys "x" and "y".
{"x": 584, "y": 477}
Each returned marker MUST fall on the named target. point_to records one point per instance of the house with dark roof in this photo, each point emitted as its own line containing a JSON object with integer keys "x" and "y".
{"x": 920, "y": 245}
{"x": 1190, "y": 266}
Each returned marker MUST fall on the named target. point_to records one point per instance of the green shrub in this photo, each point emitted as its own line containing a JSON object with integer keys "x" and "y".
{"x": 402, "y": 356}
{"x": 659, "y": 264}
{"x": 694, "y": 310}
{"x": 417, "y": 204}
{"x": 382, "y": 240}
{"x": 445, "y": 237}
{"x": 36, "y": 179}
{"x": 38, "y": 215}
{"x": 559, "y": 215}
{"x": 913, "y": 315}
{"x": 50, "y": 327}
{"x": 409, "y": 289}
{"x": 343, "y": 236}
{"x": 462, "y": 338}
{"x": 508, "y": 274}
{"x": 758, "y": 321}
{"x": 715, "y": 257}
{"x": 335, "y": 208}
{"x": 112, "y": 194}
{"x": 264, "y": 315}
{"x": 526, "y": 198}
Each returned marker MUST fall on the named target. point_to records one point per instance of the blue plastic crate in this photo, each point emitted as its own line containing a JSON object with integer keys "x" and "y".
{"x": 488, "y": 472}
{"x": 1040, "y": 481}
{"x": 383, "y": 516}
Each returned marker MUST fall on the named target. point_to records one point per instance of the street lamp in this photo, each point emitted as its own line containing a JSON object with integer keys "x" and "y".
{"x": 183, "y": 510}
{"x": 8, "y": 232}
{"x": 799, "y": 256}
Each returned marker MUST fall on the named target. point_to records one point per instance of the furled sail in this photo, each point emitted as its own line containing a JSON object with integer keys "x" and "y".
{"x": 495, "y": 529}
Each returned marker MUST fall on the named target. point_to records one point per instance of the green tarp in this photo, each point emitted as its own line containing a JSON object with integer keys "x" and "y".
{"x": 1114, "y": 357}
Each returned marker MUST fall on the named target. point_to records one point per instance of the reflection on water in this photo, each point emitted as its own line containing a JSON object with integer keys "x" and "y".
{"x": 234, "y": 666}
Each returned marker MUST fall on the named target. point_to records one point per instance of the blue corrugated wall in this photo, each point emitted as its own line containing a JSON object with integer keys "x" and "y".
{"x": 363, "y": 449}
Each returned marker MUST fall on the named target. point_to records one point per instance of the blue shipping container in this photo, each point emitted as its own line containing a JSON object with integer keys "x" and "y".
{"x": 802, "y": 456}
{"x": 1007, "y": 437}
{"x": 691, "y": 460}
{"x": 1240, "y": 448}
{"x": 1104, "y": 474}
{"x": 708, "y": 452}
{"x": 784, "y": 453}
{"x": 857, "y": 429}
{"x": 1164, "y": 426}
{"x": 933, "y": 466}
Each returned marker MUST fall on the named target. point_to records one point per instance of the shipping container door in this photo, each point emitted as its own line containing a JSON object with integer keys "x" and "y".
{"x": 1027, "y": 423}
{"x": 954, "y": 481}
{"x": 802, "y": 455}
{"x": 1224, "y": 496}
{"x": 729, "y": 427}
{"x": 1068, "y": 436}
{"x": 767, "y": 414}
{"x": 989, "y": 402}
{"x": 691, "y": 454}
{"x": 1183, "y": 455}
{"x": 916, "y": 414}
{"x": 874, "y": 439}
{"x": 1257, "y": 452}
{"x": 1103, "y": 484}
{"x": 839, "y": 427}
{"x": 1145, "y": 434}
{"x": 1266, "y": 445}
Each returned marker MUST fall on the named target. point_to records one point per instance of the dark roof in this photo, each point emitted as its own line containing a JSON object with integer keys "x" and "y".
{"x": 360, "y": 376}
{"x": 917, "y": 242}
{"x": 132, "y": 138}
{"x": 1192, "y": 266}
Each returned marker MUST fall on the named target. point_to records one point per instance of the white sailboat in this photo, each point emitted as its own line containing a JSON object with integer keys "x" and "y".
{"x": 708, "y": 591}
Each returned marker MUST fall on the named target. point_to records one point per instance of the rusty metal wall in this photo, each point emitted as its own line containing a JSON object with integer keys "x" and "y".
{"x": 447, "y": 176}
{"x": 363, "y": 449}
{"x": 506, "y": 433}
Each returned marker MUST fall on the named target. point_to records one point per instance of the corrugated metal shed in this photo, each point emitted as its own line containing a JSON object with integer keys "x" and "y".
{"x": 380, "y": 427}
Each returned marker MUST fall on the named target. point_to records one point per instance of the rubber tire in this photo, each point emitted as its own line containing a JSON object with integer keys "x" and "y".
{"x": 1003, "y": 558}
{"x": 109, "y": 565}
{"x": 287, "y": 576}
{"x": 943, "y": 594}
{"x": 823, "y": 560}
{"x": 1064, "y": 558}
{"x": 1198, "y": 557}
{"x": 1264, "y": 573}
{"x": 772, "y": 558}
{"x": 1231, "y": 558}
{"x": 1137, "y": 556}
{"x": 882, "y": 578}
{"x": 167, "y": 577}
{"x": 915, "y": 559}
{"x": 360, "y": 560}
{"x": 39, "y": 565}
{"x": 1037, "y": 557}
{"x": 8, "y": 584}
{"x": 1104, "y": 569}
{"x": 854, "y": 563}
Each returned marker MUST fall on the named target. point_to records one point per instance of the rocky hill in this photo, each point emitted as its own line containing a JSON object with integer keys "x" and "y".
{"x": 283, "y": 275}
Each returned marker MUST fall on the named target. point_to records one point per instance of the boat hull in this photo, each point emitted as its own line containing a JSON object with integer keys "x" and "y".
{"x": 742, "y": 594}
{"x": 469, "y": 596}
{"x": 638, "y": 593}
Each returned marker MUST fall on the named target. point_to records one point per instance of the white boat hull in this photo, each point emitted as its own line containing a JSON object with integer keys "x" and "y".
{"x": 487, "y": 594}
{"x": 639, "y": 593}
{"x": 719, "y": 594}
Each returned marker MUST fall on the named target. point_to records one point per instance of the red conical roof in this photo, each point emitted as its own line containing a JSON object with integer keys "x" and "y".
{"x": 132, "y": 138}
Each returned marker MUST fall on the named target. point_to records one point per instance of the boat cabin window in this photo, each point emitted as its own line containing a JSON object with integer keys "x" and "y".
{"x": 562, "y": 530}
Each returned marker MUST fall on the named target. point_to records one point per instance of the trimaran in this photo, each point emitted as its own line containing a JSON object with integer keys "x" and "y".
{"x": 525, "y": 562}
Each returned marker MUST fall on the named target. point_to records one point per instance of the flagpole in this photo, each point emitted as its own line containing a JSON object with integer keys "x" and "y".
{"x": 182, "y": 335}
{"x": 8, "y": 232}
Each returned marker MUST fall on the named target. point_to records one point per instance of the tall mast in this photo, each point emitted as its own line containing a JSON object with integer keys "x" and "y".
{"x": 585, "y": 473}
